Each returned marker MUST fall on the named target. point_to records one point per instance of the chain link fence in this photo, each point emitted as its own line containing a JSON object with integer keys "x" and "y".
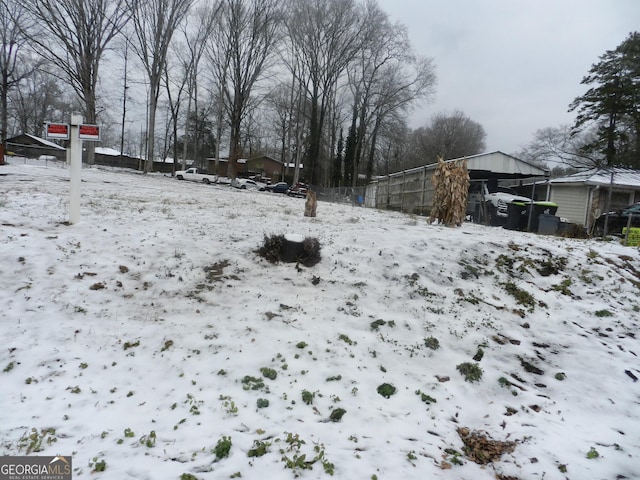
{"x": 347, "y": 195}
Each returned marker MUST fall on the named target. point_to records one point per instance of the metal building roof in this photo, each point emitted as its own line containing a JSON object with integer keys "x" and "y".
{"x": 622, "y": 177}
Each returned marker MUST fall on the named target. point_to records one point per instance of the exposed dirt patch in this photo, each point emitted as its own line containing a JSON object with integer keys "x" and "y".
{"x": 481, "y": 449}
{"x": 215, "y": 273}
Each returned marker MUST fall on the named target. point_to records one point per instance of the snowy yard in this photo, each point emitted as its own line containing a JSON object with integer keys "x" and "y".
{"x": 151, "y": 341}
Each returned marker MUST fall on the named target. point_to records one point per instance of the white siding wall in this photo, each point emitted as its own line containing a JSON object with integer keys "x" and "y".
{"x": 572, "y": 202}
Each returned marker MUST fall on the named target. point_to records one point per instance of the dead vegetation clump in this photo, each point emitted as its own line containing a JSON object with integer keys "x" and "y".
{"x": 451, "y": 182}
{"x": 481, "y": 449}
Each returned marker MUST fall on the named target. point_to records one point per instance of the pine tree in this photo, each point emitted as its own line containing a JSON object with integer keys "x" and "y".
{"x": 612, "y": 104}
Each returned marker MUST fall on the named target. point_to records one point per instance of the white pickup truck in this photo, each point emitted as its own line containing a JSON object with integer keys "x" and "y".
{"x": 491, "y": 206}
{"x": 194, "y": 175}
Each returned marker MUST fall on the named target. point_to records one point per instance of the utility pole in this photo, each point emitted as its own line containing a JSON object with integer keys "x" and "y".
{"x": 124, "y": 101}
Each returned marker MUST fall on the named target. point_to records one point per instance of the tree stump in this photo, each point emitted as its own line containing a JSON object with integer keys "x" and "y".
{"x": 311, "y": 204}
{"x": 291, "y": 248}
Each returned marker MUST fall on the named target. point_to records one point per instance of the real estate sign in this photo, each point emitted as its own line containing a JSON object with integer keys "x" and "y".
{"x": 89, "y": 132}
{"x": 58, "y": 131}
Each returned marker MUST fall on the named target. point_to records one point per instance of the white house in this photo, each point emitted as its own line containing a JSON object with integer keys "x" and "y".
{"x": 583, "y": 196}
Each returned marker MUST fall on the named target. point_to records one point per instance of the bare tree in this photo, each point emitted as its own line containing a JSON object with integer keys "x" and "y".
{"x": 240, "y": 50}
{"x": 404, "y": 90}
{"x": 195, "y": 41}
{"x": 14, "y": 64}
{"x": 387, "y": 78}
{"x": 74, "y": 37}
{"x": 563, "y": 147}
{"x": 40, "y": 98}
{"x": 155, "y": 22}
{"x": 326, "y": 36}
{"x": 448, "y": 136}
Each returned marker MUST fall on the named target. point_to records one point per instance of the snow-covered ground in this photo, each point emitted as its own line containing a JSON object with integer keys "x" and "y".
{"x": 150, "y": 337}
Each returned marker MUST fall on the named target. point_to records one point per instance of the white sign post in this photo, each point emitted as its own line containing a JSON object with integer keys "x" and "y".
{"x": 75, "y": 169}
{"x": 76, "y": 132}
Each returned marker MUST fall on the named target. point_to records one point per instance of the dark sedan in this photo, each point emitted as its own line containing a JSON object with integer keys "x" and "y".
{"x": 280, "y": 187}
{"x": 618, "y": 220}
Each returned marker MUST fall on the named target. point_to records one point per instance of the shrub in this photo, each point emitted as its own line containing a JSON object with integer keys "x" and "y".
{"x": 337, "y": 414}
{"x": 386, "y": 390}
{"x": 222, "y": 448}
{"x": 432, "y": 343}
{"x": 471, "y": 371}
{"x": 269, "y": 373}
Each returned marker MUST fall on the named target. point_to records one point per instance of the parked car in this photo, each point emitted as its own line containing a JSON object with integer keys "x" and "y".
{"x": 246, "y": 183}
{"x": 617, "y": 220}
{"x": 280, "y": 187}
{"x": 298, "y": 190}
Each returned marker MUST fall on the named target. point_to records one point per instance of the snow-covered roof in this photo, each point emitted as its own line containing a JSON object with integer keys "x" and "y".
{"x": 45, "y": 142}
{"x": 107, "y": 151}
{"x": 496, "y": 162}
{"x": 622, "y": 177}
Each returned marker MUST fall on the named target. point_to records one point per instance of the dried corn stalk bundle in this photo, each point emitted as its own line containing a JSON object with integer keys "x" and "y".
{"x": 451, "y": 182}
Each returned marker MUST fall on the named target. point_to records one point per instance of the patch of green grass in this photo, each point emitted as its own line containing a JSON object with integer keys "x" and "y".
{"x": 222, "y": 448}
{"x": 552, "y": 266}
{"x": 386, "y": 390}
{"x": 149, "y": 441}
{"x": 603, "y": 313}
{"x": 432, "y": 343}
{"x": 560, "y": 376}
{"x": 426, "y": 398}
{"x": 32, "y": 441}
{"x": 563, "y": 287}
{"x": 259, "y": 449}
{"x": 593, "y": 453}
{"x": 188, "y": 476}
{"x": 307, "y": 397}
{"x": 471, "y": 371}
{"x": 522, "y": 297}
{"x": 229, "y": 405}
{"x": 346, "y": 339}
{"x": 9, "y": 367}
{"x": 298, "y": 461}
{"x": 128, "y": 345}
{"x": 262, "y": 403}
{"x": 504, "y": 382}
{"x": 252, "y": 383}
{"x": 269, "y": 373}
{"x": 376, "y": 324}
{"x": 337, "y": 414}
{"x": 479, "y": 355}
{"x": 98, "y": 465}
{"x": 301, "y": 345}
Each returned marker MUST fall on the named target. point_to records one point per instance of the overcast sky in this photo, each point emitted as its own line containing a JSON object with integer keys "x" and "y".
{"x": 514, "y": 66}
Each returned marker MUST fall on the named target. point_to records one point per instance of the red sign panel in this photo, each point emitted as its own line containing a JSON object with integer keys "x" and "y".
{"x": 89, "y": 132}
{"x": 58, "y": 130}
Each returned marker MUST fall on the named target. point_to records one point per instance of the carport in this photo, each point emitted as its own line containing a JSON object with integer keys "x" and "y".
{"x": 411, "y": 191}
